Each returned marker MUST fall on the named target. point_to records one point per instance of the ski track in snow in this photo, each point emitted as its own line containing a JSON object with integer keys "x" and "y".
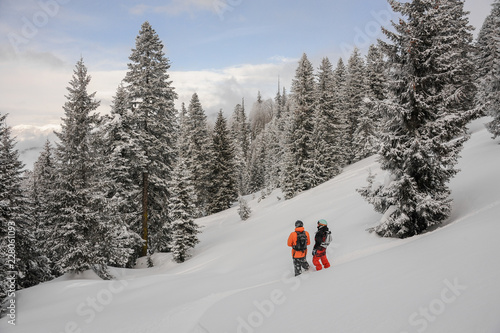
{"x": 186, "y": 317}
{"x": 474, "y": 213}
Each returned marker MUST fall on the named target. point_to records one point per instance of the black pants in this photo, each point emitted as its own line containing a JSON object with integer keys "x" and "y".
{"x": 299, "y": 263}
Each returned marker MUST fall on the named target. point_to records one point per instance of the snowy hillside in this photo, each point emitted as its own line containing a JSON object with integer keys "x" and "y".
{"x": 240, "y": 278}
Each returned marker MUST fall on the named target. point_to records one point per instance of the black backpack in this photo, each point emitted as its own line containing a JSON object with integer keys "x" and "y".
{"x": 301, "y": 244}
{"x": 327, "y": 239}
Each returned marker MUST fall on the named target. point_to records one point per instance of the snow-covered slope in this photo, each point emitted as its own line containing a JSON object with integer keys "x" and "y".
{"x": 240, "y": 278}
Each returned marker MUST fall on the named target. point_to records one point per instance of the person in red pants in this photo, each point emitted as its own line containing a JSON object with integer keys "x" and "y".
{"x": 322, "y": 240}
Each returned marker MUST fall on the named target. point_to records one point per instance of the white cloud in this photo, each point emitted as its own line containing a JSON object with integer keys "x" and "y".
{"x": 223, "y": 89}
{"x": 33, "y": 85}
{"x": 30, "y": 140}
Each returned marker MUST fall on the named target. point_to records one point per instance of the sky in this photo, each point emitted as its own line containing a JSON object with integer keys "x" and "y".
{"x": 224, "y": 50}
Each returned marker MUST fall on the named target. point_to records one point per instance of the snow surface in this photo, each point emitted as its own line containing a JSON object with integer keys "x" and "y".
{"x": 240, "y": 278}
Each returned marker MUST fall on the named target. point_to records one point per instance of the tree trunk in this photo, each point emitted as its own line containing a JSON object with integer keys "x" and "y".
{"x": 145, "y": 213}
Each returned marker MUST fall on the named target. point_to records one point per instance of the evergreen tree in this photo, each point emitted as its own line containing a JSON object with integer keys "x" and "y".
{"x": 273, "y": 155}
{"x": 341, "y": 113}
{"x": 22, "y": 265}
{"x": 299, "y": 159}
{"x": 43, "y": 197}
{"x": 183, "y": 135}
{"x": 428, "y": 107}
{"x": 223, "y": 190}
{"x": 375, "y": 73}
{"x": 290, "y": 170}
{"x": 243, "y": 209}
{"x": 366, "y": 135}
{"x": 182, "y": 211}
{"x": 257, "y": 162}
{"x": 326, "y": 162}
{"x": 279, "y": 102}
{"x": 355, "y": 91}
{"x": 488, "y": 50}
{"x": 82, "y": 238}
{"x": 199, "y": 153}
{"x": 240, "y": 134}
{"x": 123, "y": 161}
{"x": 366, "y": 142}
{"x": 152, "y": 99}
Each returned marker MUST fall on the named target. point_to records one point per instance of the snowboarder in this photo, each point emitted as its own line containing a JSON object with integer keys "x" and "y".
{"x": 322, "y": 240}
{"x": 298, "y": 241}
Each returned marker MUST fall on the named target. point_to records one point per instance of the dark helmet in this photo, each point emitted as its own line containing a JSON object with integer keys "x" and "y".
{"x": 299, "y": 224}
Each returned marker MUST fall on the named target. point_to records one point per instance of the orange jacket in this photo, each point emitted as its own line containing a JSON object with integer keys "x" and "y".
{"x": 292, "y": 240}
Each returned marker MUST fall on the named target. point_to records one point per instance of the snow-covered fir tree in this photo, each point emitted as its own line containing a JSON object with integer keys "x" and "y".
{"x": 182, "y": 135}
{"x": 199, "y": 153}
{"x": 223, "y": 188}
{"x": 355, "y": 89}
{"x": 244, "y": 210}
{"x": 22, "y": 264}
{"x": 82, "y": 237}
{"x": 43, "y": 197}
{"x": 152, "y": 99}
{"x": 341, "y": 113}
{"x": 365, "y": 137}
{"x": 375, "y": 73}
{"x": 257, "y": 162}
{"x": 488, "y": 50}
{"x": 427, "y": 109}
{"x": 273, "y": 137}
{"x": 326, "y": 163}
{"x": 240, "y": 134}
{"x": 182, "y": 211}
{"x": 260, "y": 118}
{"x": 298, "y": 169}
{"x": 123, "y": 162}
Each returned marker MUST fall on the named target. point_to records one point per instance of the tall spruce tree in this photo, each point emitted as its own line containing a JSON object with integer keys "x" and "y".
{"x": 182, "y": 211}
{"x": 240, "y": 134}
{"x": 22, "y": 264}
{"x": 199, "y": 153}
{"x": 298, "y": 157}
{"x": 257, "y": 162}
{"x": 366, "y": 137}
{"x": 355, "y": 89}
{"x": 341, "y": 113}
{"x": 375, "y": 73}
{"x": 488, "y": 50}
{"x": 83, "y": 238}
{"x": 153, "y": 126}
{"x": 273, "y": 157}
{"x": 223, "y": 190}
{"x": 44, "y": 207}
{"x": 326, "y": 161}
{"x": 123, "y": 161}
{"x": 427, "y": 109}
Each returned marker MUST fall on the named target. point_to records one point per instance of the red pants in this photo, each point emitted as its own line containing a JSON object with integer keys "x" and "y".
{"x": 320, "y": 256}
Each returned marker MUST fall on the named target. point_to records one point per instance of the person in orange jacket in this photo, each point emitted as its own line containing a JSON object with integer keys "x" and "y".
{"x": 298, "y": 241}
